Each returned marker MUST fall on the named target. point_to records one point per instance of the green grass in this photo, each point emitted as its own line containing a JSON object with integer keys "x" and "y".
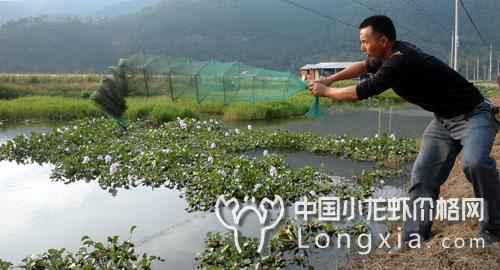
{"x": 156, "y": 109}
{"x": 161, "y": 109}
{"x": 63, "y": 85}
{"x": 47, "y": 108}
{"x": 263, "y": 111}
{"x": 63, "y": 97}
{"x": 488, "y": 89}
{"x": 49, "y": 78}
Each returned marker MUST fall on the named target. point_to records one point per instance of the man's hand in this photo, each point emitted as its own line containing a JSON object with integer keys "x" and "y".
{"x": 342, "y": 94}
{"x": 318, "y": 89}
{"x": 324, "y": 80}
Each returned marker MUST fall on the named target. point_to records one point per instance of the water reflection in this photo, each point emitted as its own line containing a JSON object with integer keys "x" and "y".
{"x": 38, "y": 214}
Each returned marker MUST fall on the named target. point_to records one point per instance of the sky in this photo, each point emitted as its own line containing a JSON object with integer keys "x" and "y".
{"x": 65, "y": 6}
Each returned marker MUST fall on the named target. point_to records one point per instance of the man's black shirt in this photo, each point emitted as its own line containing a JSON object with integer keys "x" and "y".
{"x": 421, "y": 79}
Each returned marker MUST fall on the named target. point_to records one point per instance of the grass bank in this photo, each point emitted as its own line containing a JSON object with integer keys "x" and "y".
{"x": 47, "y": 108}
{"x": 65, "y": 97}
{"x": 155, "y": 109}
{"x": 161, "y": 109}
{"x": 61, "y": 85}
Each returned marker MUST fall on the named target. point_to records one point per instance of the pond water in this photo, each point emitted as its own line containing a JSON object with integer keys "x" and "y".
{"x": 38, "y": 214}
{"x": 408, "y": 122}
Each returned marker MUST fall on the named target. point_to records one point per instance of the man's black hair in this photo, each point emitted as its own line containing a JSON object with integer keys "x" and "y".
{"x": 380, "y": 24}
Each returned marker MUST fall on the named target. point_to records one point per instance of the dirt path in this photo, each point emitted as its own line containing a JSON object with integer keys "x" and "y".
{"x": 436, "y": 257}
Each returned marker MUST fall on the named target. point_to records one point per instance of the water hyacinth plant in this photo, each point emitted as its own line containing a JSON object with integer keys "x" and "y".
{"x": 5, "y": 265}
{"x": 283, "y": 250}
{"x": 115, "y": 254}
{"x": 204, "y": 159}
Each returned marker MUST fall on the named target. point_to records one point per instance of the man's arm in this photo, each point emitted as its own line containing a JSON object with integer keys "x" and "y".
{"x": 339, "y": 93}
{"x": 355, "y": 70}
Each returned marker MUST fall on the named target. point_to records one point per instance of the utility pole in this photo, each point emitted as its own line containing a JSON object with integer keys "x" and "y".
{"x": 467, "y": 69}
{"x": 455, "y": 53}
{"x": 498, "y": 67}
{"x": 452, "y": 49}
{"x": 491, "y": 61}
{"x": 477, "y": 70}
{"x": 473, "y": 71}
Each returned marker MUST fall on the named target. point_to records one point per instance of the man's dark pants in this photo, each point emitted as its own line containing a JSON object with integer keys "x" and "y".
{"x": 443, "y": 139}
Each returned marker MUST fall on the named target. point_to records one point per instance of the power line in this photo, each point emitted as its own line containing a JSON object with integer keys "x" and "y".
{"x": 328, "y": 17}
{"x": 331, "y": 18}
{"x": 473, "y": 24}
{"x": 411, "y": 31}
{"x": 424, "y": 12}
{"x": 320, "y": 14}
{"x": 366, "y": 6}
{"x": 408, "y": 30}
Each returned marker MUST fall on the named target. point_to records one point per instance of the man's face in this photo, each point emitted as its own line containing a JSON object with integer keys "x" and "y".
{"x": 372, "y": 44}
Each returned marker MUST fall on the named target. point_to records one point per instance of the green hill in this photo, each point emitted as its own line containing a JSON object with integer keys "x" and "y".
{"x": 264, "y": 33}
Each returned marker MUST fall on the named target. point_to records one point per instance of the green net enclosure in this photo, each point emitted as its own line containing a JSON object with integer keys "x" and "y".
{"x": 182, "y": 78}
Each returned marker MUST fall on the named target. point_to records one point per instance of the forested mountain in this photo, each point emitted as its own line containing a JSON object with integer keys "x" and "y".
{"x": 265, "y": 33}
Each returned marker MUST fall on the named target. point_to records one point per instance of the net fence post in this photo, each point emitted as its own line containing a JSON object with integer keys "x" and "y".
{"x": 170, "y": 86}
{"x": 146, "y": 83}
{"x": 197, "y": 88}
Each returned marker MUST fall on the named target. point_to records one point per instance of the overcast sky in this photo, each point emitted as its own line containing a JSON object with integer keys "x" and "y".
{"x": 66, "y": 6}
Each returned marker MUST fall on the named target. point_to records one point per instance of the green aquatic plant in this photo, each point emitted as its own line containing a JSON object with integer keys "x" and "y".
{"x": 5, "y": 265}
{"x": 283, "y": 249}
{"x": 203, "y": 159}
{"x": 115, "y": 254}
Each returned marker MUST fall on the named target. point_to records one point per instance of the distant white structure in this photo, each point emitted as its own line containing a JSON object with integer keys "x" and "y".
{"x": 315, "y": 71}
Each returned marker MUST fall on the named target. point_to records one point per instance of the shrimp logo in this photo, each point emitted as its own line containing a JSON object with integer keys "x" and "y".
{"x": 261, "y": 211}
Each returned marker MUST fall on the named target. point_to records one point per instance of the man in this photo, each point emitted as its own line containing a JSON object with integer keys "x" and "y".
{"x": 463, "y": 120}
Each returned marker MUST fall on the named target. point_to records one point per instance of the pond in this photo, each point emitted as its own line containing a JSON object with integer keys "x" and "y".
{"x": 407, "y": 122}
{"x": 38, "y": 214}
